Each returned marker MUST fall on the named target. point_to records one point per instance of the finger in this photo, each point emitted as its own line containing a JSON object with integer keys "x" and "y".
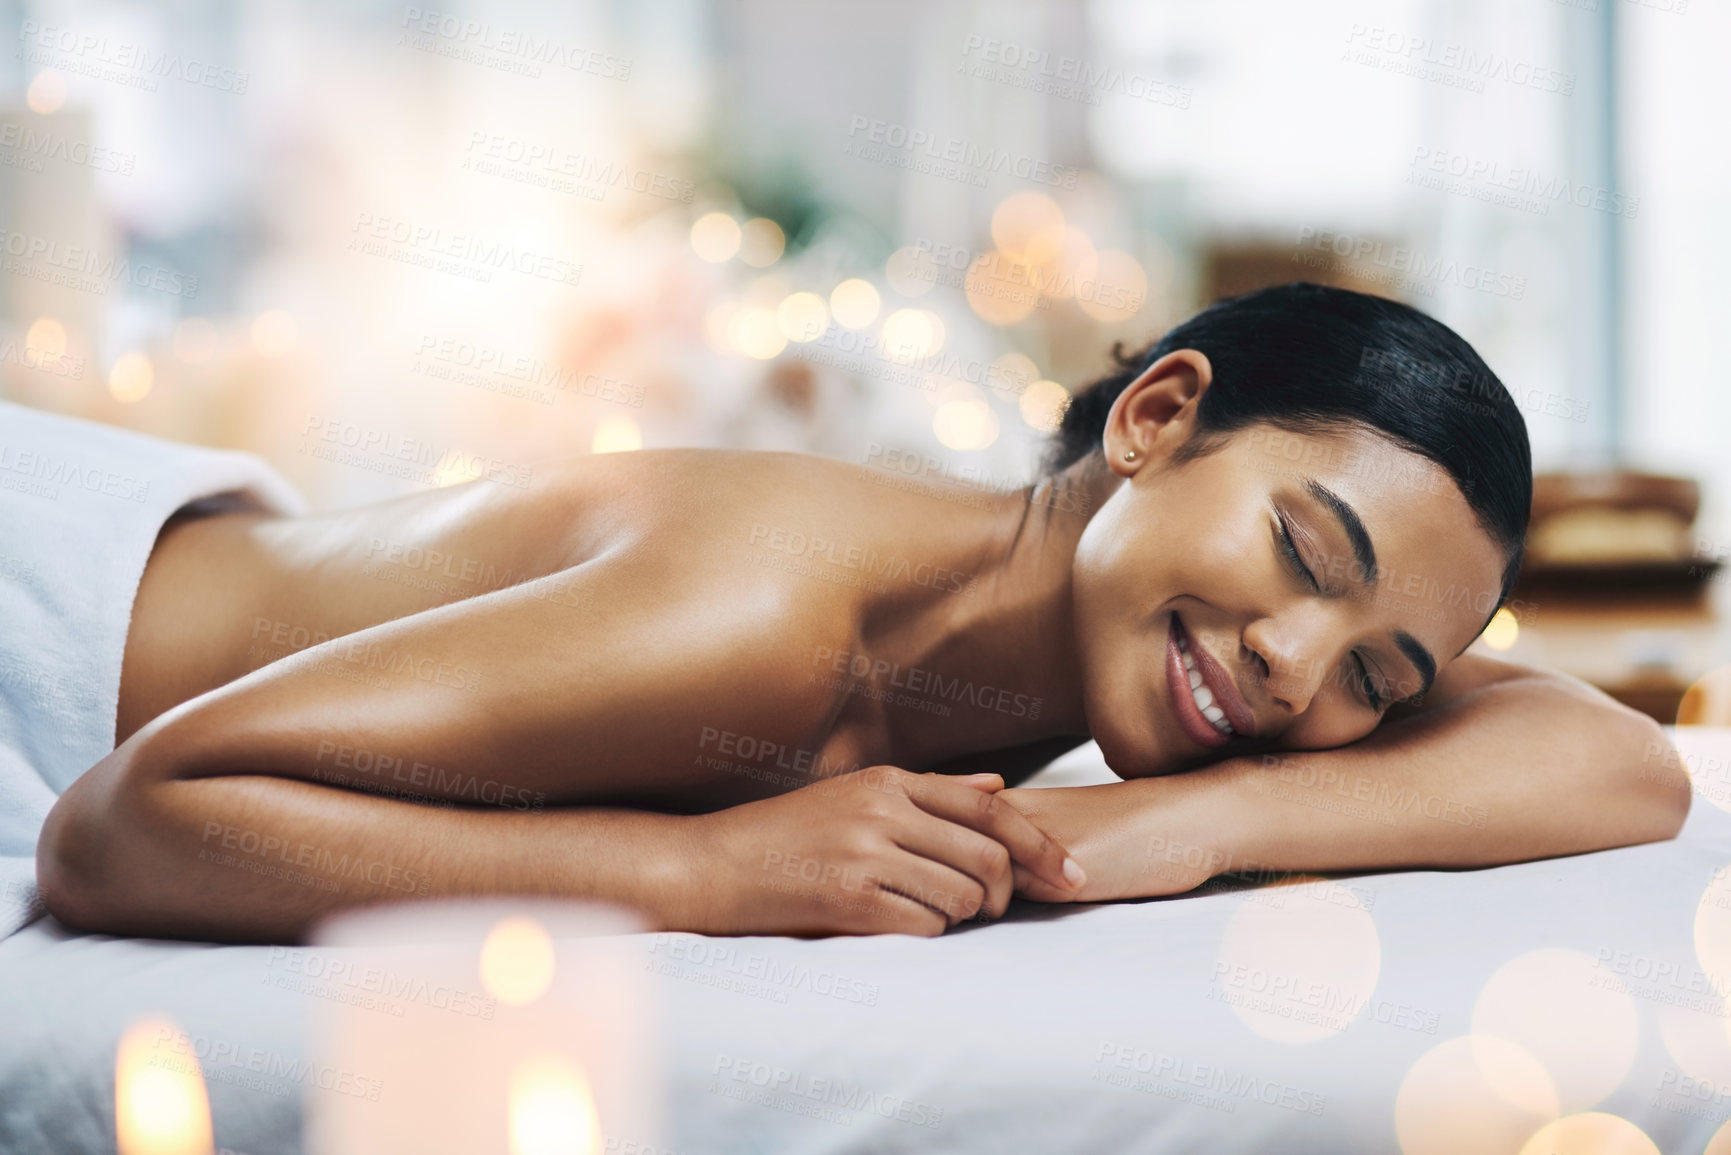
{"x": 997, "y": 819}
{"x": 983, "y": 781}
{"x": 899, "y": 914}
{"x": 952, "y": 893}
{"x": 963, "y": 851}
{"x": 1036, "y": 889}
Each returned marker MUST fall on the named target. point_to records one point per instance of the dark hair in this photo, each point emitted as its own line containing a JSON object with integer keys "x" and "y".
{"x": 1305, "y": 357}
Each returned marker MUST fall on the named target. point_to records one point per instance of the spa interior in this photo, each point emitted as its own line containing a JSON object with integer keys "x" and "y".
{"x": 391, "y": 246}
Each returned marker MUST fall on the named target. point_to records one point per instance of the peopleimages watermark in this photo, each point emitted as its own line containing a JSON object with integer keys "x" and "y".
{"x": 829, "y": 1099}
{"x": 464, "y": 255}
{"x": 27, "y": 147}
{"x": 412, "y": 458}
{"x": 503, "y": 48}
{"x": 1449, "y": 64}
{"x": 708, "y": 962}
{"x": 1514, "y": 186}
{"x": 515, "y": 374}
{"x": 1301, "y": 999}
{"x": 919, "y": 473}
{"x": 253, "y": 1067}
{"x": 1401, "y": 266}
{"x": 917, "y": 687}
{"x": 1475, "y": 392}
{"x": 362, "y": 653}
{"x": 350, "y": 979}
{"x": 435, "y": 782}
{"x": 558, "y": 169}
{"x": 1383, "y": 800}
{"x": 271, "y": 855}
{"x": 1117, "y": 1064}
{"x": 42, "y": 473}
{"x": 85, "y": 270}
{"x": 122, "y": 62}
{"x": 951, "y": 157}
{"x": 864, "y": 561}
{"x": 27, "y": 356}
{"x": 1064, "y": 77}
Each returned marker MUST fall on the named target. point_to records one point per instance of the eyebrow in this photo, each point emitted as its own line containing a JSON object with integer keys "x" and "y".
{"x": 1419, "y": 657}
{"x": 1363, "y": 551}
{"x": 1365, "y": 554}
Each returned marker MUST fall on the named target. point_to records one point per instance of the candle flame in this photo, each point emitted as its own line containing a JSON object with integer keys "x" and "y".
{"x": 552, "y": 1111}
{"x": 160, "y": 1104}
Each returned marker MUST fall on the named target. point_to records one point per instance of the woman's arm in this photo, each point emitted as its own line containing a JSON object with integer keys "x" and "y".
{"x": 251, "y": 812}
{"x": 1502, "y": 763}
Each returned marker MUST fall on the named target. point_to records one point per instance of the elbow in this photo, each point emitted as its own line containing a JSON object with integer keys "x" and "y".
{"x": 71, "y": 864}
{"x": 92, "y": 854}
{"x": 1663, "y": 787}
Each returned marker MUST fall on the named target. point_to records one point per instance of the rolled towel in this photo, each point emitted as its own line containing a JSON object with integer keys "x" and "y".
{"x": 81, "y": 504}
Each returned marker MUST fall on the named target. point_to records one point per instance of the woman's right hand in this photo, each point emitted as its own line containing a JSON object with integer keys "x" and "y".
{"x": 877, "y": 851}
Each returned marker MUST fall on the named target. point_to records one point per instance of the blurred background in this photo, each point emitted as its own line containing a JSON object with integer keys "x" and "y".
{"x": 390, "y": 246}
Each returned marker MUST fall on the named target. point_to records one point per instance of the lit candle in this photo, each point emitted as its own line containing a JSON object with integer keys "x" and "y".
{"x": 516, "y": 1027}
{"x": 160, "y": 1103}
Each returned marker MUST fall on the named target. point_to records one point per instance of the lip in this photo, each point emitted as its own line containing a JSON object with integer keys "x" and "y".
{"x": 1218, "y": 681}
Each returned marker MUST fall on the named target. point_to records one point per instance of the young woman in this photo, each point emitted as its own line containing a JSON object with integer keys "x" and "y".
{"x": 768, "y": 693}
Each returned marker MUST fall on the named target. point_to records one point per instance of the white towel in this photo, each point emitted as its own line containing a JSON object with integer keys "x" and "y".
{"x": 80, "y": 507}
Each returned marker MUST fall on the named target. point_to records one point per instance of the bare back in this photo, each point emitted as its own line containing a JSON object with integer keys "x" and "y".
{"x": 683, "y": 629}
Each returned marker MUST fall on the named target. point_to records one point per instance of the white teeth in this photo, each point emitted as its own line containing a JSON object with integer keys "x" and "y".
{"x": 1200, "y": 694}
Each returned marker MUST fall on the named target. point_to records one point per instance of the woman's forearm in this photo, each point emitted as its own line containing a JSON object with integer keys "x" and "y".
{"x": 1520, "y": 768}
{"x": 132, "y": 849}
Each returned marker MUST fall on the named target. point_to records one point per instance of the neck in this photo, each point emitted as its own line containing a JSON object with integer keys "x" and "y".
{"x": 1010, "y": 645}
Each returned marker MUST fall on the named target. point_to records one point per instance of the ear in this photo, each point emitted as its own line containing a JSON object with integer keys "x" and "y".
{"x": 1156, "y": 413}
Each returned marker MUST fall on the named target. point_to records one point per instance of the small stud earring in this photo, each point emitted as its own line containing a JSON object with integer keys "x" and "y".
{"x": 1129, "y": 455}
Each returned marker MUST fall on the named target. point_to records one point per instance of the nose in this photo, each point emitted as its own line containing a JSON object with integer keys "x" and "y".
{"x": 1289, "y": 665}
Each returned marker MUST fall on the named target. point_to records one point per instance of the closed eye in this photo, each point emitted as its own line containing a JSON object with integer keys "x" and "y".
{"x": 1294, "y": 561}
{"x": 1367, "y": 685}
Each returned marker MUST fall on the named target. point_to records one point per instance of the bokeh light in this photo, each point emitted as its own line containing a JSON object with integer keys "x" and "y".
{"x": 47, "y": 91}
{"x": 131, "y": 377}
{"x": 45, "y": 341}
{"x": 967, "y": 423}
{"x": 1486, "y": 1096}
{"x": 161, "y": 1106}
{"x": 1111, "y": 286}
{"x": 761, "y": 242}
{"x": 517, "y": 961}
{"x": 802, "y": 317}
{"x": 756, "y": 332}
{"x": 552, "y": 1110}
{"x": 911, "y": 334}
{"x": 1028, "y": 228}
{"x": 1590, "y": 1134}
{"x": 1320, "y": 943}
{"x": 715, "y": 237}
{"x": 1502, "y": 630}
{"x": 1573, "y": 1016}
{"x": 1012, "y": 373}
{"x": 616, "y": 435}
{"x": 1001, "y": 291}
{"x": 1043, "y": 404}
{"x": 855, "y": 303}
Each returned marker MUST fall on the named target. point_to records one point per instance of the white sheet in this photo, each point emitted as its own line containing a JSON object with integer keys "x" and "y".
{"x": 80, "y": 505}
{"x": 991, "y": 1038}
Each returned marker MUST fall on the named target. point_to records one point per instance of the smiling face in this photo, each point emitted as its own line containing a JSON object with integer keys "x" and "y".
{"x": 1277, "y": 592}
